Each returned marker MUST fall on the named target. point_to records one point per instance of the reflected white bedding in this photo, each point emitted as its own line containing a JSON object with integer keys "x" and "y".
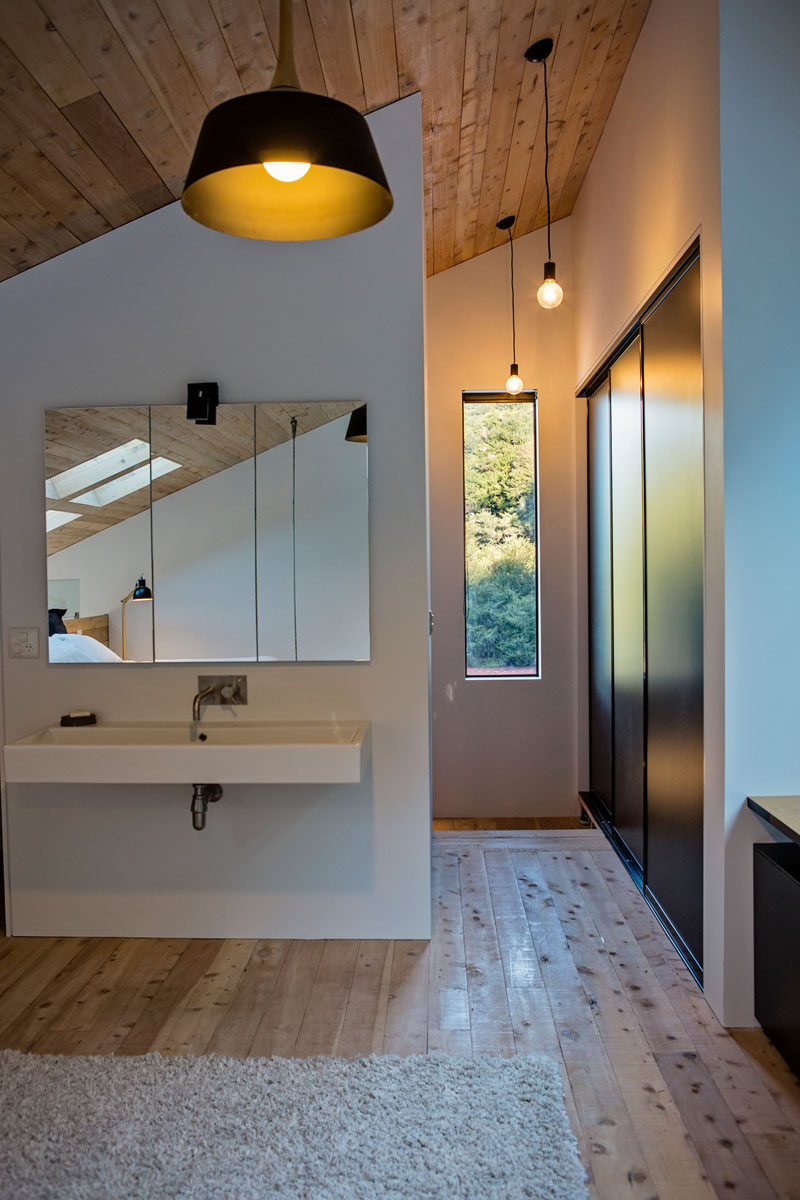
{"x": 79, "y": 647}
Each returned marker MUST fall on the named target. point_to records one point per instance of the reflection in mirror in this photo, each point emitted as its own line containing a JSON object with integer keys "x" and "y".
{"x": 97, "y": 501}
{"x": 203, "y": 574}
{"x": 256, "y": 545}
{"x": 312, "y": 535}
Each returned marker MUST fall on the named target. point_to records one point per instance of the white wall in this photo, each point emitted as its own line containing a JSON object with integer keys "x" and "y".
{"x": 130, "y": 318}
{"x": 653, "y": 186}
{"x": 505, "y": 747}
{"x": 760, "y": 142}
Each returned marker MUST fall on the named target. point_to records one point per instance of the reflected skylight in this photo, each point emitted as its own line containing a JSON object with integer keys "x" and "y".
{"x": 96, "y": 469}
{"x": 124, "y": 485}
{"x": 53, "y": 520}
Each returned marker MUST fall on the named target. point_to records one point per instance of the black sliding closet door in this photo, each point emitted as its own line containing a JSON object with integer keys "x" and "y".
{"x": 601, "y": 650}
{"x": 646, "y": 508}
{"x": 673, "y": 440}
{"x": 627, "y": 515}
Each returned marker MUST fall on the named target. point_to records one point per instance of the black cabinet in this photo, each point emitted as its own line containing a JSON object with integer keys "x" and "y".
{"x": 776, "y": 890}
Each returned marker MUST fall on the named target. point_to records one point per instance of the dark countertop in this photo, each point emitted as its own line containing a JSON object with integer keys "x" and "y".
{"x": 781, "y": 811}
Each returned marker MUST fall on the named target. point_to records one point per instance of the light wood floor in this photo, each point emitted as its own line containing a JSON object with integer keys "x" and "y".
{"x": 541, "y": 944}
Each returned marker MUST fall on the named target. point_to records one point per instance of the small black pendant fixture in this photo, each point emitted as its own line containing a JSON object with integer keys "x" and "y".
{"x": 514, "y": 384}
{"x": 550, "y": 293}
{"x": 286, "y": 165}
{"x": 357, "y": 425}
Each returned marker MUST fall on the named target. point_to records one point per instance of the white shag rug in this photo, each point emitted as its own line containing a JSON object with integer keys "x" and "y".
{"x": 428, "y": 1127}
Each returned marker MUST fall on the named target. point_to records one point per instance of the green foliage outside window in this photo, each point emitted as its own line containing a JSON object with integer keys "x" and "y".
{"x": 500, "y": 537}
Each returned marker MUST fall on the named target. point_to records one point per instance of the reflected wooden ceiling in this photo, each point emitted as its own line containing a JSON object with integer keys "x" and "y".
{"x": 101, "y": 102}
{"x": 75, "y": 435}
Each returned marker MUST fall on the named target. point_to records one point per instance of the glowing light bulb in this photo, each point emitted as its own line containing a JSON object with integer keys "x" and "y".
{"x": 514, "y": 384}
{"x": 287, "y": 172}
{"x": 551, "y": 293}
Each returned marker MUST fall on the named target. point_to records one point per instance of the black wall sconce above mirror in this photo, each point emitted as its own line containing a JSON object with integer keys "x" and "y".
{"x": 202, "y": 401}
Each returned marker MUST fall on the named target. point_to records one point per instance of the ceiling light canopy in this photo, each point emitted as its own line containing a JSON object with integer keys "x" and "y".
{"x": 286, "y": 165}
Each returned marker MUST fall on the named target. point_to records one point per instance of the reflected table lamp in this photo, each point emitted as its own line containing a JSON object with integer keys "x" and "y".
{"x": 140, "y": 592}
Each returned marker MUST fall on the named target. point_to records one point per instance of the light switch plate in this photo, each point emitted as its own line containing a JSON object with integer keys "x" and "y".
{"x": 23, "y": 642}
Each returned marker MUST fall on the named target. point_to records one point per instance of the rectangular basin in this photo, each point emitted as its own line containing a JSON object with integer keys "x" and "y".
{"x": 188, "y": 752}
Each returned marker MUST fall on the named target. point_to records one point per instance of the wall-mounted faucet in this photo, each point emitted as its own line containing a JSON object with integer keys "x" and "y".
{"x": 219, "y": 689}
{"x": 202, "y": 695}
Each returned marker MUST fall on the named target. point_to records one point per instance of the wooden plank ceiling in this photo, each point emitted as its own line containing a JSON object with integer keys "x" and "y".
{"x": 101, "y": 102}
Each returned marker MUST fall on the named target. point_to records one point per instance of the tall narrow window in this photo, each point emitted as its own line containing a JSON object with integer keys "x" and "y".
{"x": 500, "y": 534}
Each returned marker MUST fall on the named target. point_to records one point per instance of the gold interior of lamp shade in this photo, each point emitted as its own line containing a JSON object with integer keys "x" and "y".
{"x": 326, "y": 202}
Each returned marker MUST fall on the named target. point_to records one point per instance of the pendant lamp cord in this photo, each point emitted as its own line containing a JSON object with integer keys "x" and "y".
{"x": 285, "y": 68}
{"x": 547, "y": 157}
{"x": 294, "y": 537}
{"x": 513, "y": 304}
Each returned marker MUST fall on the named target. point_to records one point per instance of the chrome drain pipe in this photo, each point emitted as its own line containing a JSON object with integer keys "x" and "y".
{"x": 203, "y": 794}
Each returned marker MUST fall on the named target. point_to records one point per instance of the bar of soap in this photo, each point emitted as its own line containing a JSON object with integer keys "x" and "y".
{"x": 81, "y": 716}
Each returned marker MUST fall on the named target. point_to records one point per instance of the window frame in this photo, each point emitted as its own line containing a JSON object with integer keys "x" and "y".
{"x": 528, "y": 396}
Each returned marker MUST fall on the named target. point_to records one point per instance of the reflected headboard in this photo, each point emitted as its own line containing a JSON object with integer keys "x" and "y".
{"x": 96, "y": 627}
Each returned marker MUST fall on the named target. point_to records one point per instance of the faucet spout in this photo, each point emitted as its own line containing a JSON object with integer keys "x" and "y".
{"x": 198, "y": 700}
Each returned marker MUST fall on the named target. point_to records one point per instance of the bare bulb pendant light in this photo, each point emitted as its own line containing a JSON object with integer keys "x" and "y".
{"x": 550, "y": 293}
{"x": 286, "y": 165}
{"x": 514, "y": 384}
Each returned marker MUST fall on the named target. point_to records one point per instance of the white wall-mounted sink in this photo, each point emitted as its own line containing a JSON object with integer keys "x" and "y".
{"x": 187, "y": 752}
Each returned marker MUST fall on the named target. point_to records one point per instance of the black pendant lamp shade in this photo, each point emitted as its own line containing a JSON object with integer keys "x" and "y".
{"x": 340, "y": 186}
{"x": 228, "y": 187}
{"x": 357, "y": 425}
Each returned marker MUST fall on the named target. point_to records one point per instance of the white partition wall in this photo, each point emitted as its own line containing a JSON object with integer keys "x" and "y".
{"x": 131, "y": 318}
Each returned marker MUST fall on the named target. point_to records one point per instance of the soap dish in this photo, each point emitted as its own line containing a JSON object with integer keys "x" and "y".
{"x": 79, "y": 718}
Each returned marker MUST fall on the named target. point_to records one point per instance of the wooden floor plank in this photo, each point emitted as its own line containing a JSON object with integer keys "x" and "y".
{"x": 282, "y": 1017}
{"x": 407, "y": 1009}
{"x": 190, "y": 967}
{"x": 327, "y": 1003}
{"x": 662, "y": 1026}
{"x": 779, "y": 1079}
{"x": 190, "y": 1027}
{"x": 730, "y": 1162}
{"x": 234, "y": 1034}
{"x": 490, "y": 1016}
{"x": 106, "y": 1010}
{"x": 35, "y": 1020}
{"x": 31, "y": 973}
{"x": 364, "y": 1025}
{"x": 448, "y": 999}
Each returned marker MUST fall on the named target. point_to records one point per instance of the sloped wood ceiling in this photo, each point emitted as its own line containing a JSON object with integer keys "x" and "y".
{"x": 101, "y": 102}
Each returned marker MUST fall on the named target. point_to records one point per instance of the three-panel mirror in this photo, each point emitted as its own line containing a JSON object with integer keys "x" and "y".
{"x": 243, "y": 541}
